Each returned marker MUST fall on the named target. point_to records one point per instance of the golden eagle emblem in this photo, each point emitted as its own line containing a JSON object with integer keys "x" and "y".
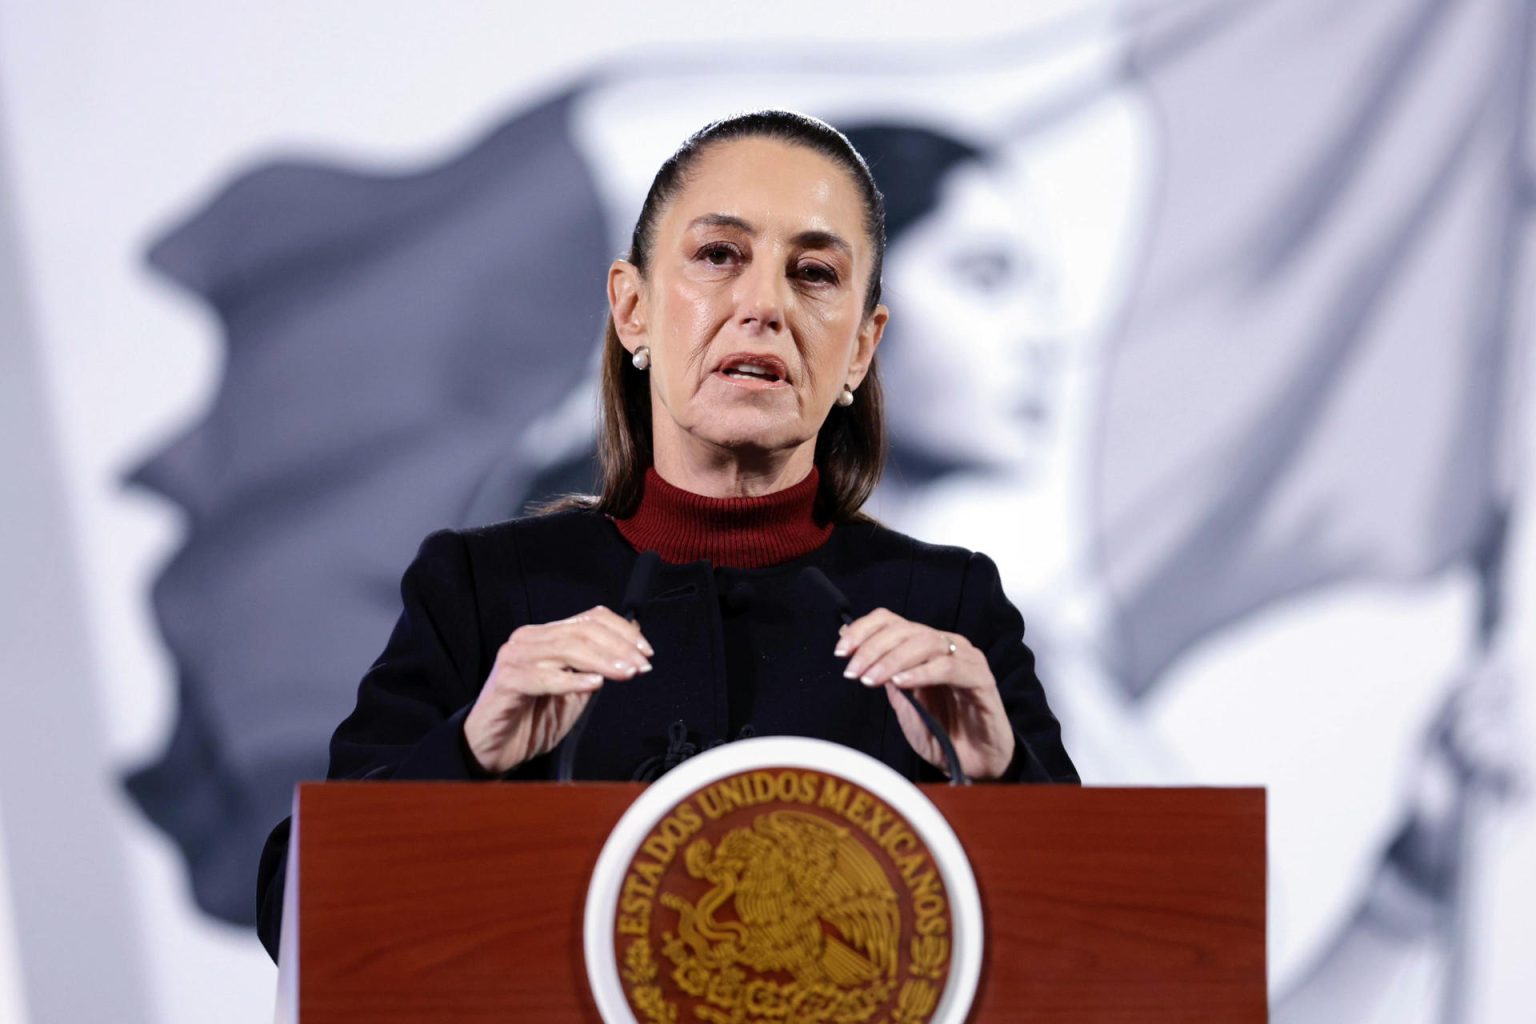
{"x": 806, "y": 898}
{"x": 738, "y": 909}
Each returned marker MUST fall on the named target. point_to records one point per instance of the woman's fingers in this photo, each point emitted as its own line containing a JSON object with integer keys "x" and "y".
{"x": 868, "y": 662}
{"x": 919, "y": 648}
{"x": 607, "y": 618}
{"x": 866, "y": 640}
{"x": 606, "y": 625}
{"x": 851, "y": 636}
{"x": 882, "y": 647}
{"x": 961, "y": 666}
{"x": 558, "y": 682}
{"x": 587, "y": 648}
{"x": 531, "y": 684}
{"x": 883, "y": 644}
{"x": 937, "y": 671}
{"x": 594, "y": 641}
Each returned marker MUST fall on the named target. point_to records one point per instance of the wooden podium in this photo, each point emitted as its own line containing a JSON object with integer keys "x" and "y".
{"x": 449, "y": 903}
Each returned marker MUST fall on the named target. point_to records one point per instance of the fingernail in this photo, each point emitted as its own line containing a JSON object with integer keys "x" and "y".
{"x": 646, "y": 667}
{"x": 867, "y": 680}
{"x": 848, "y": 672}
{"x": 645, "y": 648}
{"x": 624, "y": 667}
{"x": 898, "y": 678}
{"x": 840, "y": 651}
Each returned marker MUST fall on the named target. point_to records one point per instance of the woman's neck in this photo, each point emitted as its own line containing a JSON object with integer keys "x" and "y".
{"x": 712, "y": 471}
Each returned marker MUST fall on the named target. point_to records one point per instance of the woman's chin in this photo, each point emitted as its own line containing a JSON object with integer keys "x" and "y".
{"x": 753, "y": 437}
{"x": 730, "y": 422}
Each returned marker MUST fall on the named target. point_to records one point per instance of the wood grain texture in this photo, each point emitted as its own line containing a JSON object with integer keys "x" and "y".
{"x": 457, "y": 903}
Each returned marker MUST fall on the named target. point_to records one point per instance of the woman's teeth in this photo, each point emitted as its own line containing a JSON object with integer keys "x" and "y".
{"x": 751, "y": 372}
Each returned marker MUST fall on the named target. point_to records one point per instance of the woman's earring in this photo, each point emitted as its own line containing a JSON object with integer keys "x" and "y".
{"x": 846, "y": 398}
{"x": 642, "y": 357}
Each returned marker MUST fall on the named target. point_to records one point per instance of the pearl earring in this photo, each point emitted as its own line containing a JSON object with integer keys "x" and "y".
{"x": 642, "y": 357}
{"x": 846, "y": 398}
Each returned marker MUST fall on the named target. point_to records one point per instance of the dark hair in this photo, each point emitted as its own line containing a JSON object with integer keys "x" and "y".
{"x": 850, "y": 449}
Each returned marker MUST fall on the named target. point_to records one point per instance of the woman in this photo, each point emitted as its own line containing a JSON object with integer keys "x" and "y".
{"x": 742, "y": 431}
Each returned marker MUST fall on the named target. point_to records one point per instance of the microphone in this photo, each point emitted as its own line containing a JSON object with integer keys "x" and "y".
{"x": 639, "y": 588}
{"x": 635, "y": 593}
{"x": 835, "y": 597}
{"x": 839, "y": 601}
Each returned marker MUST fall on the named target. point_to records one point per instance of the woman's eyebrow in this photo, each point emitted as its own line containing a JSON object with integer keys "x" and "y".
{"x": 721, "y": 220}
{"x": 822, "y": 240}
{"x": 811, "y": 239}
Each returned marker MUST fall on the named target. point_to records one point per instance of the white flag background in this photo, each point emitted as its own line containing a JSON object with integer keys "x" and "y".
{"x": 1210, "y": 324}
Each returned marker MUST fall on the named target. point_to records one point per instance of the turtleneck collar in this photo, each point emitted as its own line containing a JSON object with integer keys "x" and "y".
{"x": 740, "y": 533}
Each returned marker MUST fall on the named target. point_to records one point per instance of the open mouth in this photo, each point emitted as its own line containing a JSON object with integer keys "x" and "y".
{"x": 754, "y": 371}
{"x": 750, "y": 373}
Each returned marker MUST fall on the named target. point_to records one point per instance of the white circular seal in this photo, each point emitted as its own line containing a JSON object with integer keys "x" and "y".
{"x": 778, "y": 756}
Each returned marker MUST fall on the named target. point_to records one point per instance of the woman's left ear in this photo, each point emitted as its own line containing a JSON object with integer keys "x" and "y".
{"x": 870, "y": 333}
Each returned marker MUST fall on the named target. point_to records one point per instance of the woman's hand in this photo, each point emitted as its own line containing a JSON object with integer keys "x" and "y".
{"x": 884, "y": 649}
{"x": 543, "y": 677}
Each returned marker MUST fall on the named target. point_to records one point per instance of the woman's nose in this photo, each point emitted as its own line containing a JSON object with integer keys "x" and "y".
{"x": 760, "y": 298}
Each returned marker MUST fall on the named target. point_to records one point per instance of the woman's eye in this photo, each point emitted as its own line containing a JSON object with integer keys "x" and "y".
{"x": 717, "y": 255}
{"x": 816, "y": 273}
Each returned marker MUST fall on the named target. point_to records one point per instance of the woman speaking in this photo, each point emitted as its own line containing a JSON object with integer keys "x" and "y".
{"x": 742, "y": 430}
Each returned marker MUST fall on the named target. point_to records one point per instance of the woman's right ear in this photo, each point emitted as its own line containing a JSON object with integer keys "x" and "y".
{"x": 626, "y": 301}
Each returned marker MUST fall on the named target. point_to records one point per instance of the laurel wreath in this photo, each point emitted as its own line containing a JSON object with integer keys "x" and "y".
{"x": 640, "y": 971}
{"x": 929, "y": 955}
{"x": 731, "y": 998}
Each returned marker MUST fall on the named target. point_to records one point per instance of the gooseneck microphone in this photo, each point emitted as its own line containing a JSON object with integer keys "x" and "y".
{"x": 839, "y": 601}
{"x": 635, "y": 593}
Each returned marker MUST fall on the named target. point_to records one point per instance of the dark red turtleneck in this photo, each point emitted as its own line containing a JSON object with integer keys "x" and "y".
{"x": 741, "y": 533}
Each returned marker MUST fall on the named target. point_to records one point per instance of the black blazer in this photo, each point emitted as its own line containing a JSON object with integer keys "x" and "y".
{"x": 734, "y": 648}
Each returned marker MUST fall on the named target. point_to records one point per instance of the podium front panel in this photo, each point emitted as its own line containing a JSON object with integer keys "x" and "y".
{"x": 452, "y": 903}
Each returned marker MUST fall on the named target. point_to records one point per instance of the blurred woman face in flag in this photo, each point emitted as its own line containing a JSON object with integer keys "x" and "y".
{"x": 753, "y": 306}
{"x": 971, "y": 374}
